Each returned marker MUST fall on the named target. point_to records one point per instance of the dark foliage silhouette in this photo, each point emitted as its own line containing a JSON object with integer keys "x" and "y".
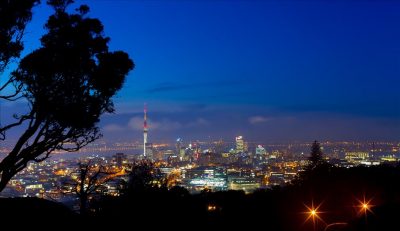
{"x": 14, "y": 16}
{"x": 145, "y": 176}
{"x": 68, "y": 83}
{"x": 337, "y": 192}
{"x": 26, "y": 213}
{"x": 316, "y": 155}
{"x": 92, "y": 176}
{"x": 315, "y": 165}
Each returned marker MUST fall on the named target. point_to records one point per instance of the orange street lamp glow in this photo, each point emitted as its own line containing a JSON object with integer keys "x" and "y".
{"x": 211, "y": 207}
{"x": 313, "y": 214}
{"x": 364, "y": 206}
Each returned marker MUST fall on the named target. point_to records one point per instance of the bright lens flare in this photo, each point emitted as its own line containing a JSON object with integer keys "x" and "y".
{"x": 313, "y": 213}
{"x": 364, "y": 206}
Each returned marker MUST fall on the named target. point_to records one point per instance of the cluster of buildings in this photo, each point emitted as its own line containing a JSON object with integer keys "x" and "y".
{"x": 57, "y": 179}
{"x": 197, "y": 166}
{"x": 213, "y": 165}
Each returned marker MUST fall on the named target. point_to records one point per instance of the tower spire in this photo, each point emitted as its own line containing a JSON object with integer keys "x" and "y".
{"x": 145, "y": 129}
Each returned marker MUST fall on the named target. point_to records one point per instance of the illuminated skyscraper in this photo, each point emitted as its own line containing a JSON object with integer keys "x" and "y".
{"x": 145, "y": 130}
{"x": 179, "y": 145}
{"x": 260, "y": 150}
{"x": 180, "y": 148}
{"x": 239, "y": 144}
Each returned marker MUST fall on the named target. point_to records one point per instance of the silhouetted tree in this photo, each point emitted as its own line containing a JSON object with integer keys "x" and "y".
{"x": 91, "y": 178}
{"x": 14, "y": 15}
{"x": 316, "y": 167}
{"x": 316, "y": 157}
{"x": 68, "y": 83}
{"x": 145, "y": 176}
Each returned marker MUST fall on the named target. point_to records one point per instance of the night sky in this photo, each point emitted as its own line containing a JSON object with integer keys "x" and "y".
{"x": 272, "y": 71}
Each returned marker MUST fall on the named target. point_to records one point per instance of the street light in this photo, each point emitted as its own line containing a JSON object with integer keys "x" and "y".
{"x": 313, "y": 214}
{"x": 211, "y": 208}
{"x": 364, "y": 206}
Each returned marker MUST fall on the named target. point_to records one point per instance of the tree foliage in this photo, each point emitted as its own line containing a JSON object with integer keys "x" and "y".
{"x": 145, "y": 176}
{"x": 68, "y": 83}
{"x": 316, "y": 156}
{"x": 315, "y": 165}
{"x": 92, "y": 176}
{"x": 14, "y": 16}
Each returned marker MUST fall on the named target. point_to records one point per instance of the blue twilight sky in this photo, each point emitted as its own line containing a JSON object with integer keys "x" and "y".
{"x": 268, "y": 70}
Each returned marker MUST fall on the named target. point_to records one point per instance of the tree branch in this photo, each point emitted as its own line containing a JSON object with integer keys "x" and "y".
{"x": 17, "y": 87}
{"x": 5, "y": 128}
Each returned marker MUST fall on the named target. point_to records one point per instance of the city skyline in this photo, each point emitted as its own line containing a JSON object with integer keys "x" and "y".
{"x": 269, "y": 71}
{"x": 211, "y": 115}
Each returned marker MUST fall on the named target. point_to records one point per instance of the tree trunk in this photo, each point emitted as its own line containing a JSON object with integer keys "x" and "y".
{"x": 83, "y": 204}
{"x": 8, "y": 166}
{"x": 5, "y": 178}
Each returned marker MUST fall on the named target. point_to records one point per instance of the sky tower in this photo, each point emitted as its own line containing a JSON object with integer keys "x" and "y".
{"x": 145, "y": 129}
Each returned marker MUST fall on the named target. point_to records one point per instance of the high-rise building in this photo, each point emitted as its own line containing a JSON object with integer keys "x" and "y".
{"x": 168, "y": 154}
{"x": 147, "y": 147}
{"x": 239, "y": 144}
{"x": 149, "y": 151}
{"x": 261, "y": 155}
{"x": 356, "y": 157}
{"x": 219, "y": 146}
{"x": 119, "y": 158}
{"x": 179, "y": 146}
{"x": 260, "y": 150}
{"x": 145, "y": 130}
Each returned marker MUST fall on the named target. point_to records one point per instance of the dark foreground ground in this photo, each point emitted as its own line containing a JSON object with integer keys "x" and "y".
{"x": 38, "y": 214}
{"x": 337, "y": 194}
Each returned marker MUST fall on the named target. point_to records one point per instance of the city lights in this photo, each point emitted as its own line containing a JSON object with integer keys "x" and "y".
{"x": 211, "y": 208}
{"x": 200, "y": 115}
